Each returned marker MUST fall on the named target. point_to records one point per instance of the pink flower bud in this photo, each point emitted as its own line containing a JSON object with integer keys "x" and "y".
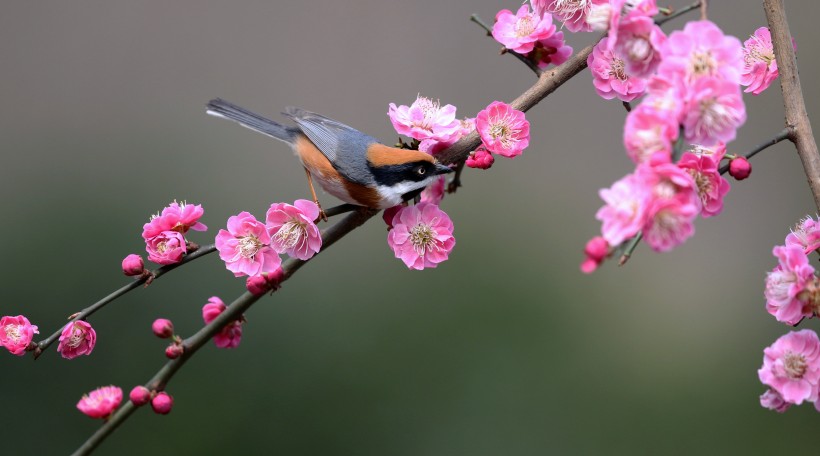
{"x": 162, "y": 403}
{"x": 275, "y": 278}
{"x": 480, "y": 159}
{"x": 740, "y": 168}
{"x": 140, "y": 395}
{"x": 257, "y": 285}
{"x": 588, "y": 266}
{"x": 132, "y": 265}
{"x": 78, "y": 338}
{"x": 388, "y": 215}
{"x": 597, "y": 248}
{"x": 174, "y": 351}
{"x": 162, "y": 328}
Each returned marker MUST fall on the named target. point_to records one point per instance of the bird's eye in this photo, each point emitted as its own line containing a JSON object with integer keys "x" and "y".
{"x": 420, "y": 170}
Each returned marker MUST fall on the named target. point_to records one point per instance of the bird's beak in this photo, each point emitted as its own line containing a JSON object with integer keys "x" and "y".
{"x": 441, "y": 169}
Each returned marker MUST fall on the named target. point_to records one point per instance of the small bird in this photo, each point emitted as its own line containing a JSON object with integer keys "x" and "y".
{"x": 348, "y": 164}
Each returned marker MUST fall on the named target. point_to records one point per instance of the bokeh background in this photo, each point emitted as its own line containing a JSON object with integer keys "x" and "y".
{"x": 504, "y": 349}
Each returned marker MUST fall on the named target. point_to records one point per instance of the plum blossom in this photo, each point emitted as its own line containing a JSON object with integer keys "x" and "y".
{"x": 132, "y": 265}
{"x": 425, "y": 119}
{"x": 520, "y": 31}
{"x": 78, "y": 338}
{"x": 101, "y": 402}
{"x": 610, "y": 77}
{"x": 702, "y": 164}
{"x": 550, "y": 51}
{"x": 245, "y": 246}
{"x": 503, "y": 130}
{"x": 791, "y": 366}
{"x": 179, "y": 217}
{"x": 16, "y": 334}
{"x": 231, "y": 334}
{"x": 702, "y": 50}
{"x": 639, "y": 43}
{"x": 788, "y": 283}
{"x": 672, "y": 204}
{"x": 167, "y": 247}
{"x": 714, "y": 111}
{"x": 649, "y": 131}
{"x": 772, "y": 400}
{"x": 573, "y": 13}
{"x": 292, "y": 230}
{"x": 623, "y": 215}
{"x": 806, "y": 235}
{"x": 759, "y": 64}
{"x": 435, "y": 192}
{"x": 421, "y": 235}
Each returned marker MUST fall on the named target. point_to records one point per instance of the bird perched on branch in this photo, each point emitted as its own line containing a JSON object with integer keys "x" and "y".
{"x": 347, "y": 163}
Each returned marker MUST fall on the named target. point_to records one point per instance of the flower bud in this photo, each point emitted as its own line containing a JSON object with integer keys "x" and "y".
{"x": 132, "y": 265}
{"x": 174, "y": 351}
{"x": 257, "y": 285}
{"x": 597, "y": 248}
{"x": 480, "y": 159}
{"x": 140, "y": 395}
{"x": 162, "y": 403}
{"x": 275, "y": 278}
{"x": 740, "y": 168}
{"x": 162, "y": 328}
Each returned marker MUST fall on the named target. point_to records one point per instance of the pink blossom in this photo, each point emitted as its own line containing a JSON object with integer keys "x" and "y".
{"x": 176, "y": 217}
{"x": 435, "y": 192}
{"x": 433, "y": 147}
{"x": 162, "y": 328}
{"x": 759, "y": 64}
{"x": 573, "y": 13}
{"x": 292, "y": 230}
{"x": 666, "y": 97}
{"x": 480, "y": 159}
{"x": 639, "y": 43}
{"x": 623, "y": 215}
{"x": 425, "y": 119}
{"x": 712, "y": 187}
{"x": 503, "y": 130}
{"x": 772, "y": 400}
{"x": 231, "y": 334}
{"x": 422, "y": 236}
{"x": 101, "y": 402}
{"x": 167, "y": 247}
{"x": 791, "y": 366}
{"x": 245, "y": 246}
{"x": 162, "y": 403}
{"x": 702, "y": 50}
{"x": 16, "y": 334}
{"x": 787, "y": 283}
{"x": 78, "y": 338}
{"x": 714, "y": 111}
{"x": 649, "y": 131}
{"x": 806, "y": 235}
{"x": 520, "y": 31}
{"x": 671, "y": 207}
{"x": 609, "y": 75}
{"x": 550, "y": 51}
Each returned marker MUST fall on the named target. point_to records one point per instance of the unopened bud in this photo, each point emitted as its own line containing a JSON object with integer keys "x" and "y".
{"x": 140, "y": 395}
{"x": 162, "y": 403}
{"x": 480, "y": 158}
{"x": 275, "y": 278}
{"x": 257, "y": 285}
{"x": 162, "y": 328}
{"x": 740, "y": 168}
{"x": 132, "y": 265}
{"x": 174, "y": 351}
{"x": 597, "y": 248}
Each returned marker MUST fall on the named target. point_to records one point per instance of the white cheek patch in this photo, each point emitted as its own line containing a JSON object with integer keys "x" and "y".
{"x": 392, "y": 194}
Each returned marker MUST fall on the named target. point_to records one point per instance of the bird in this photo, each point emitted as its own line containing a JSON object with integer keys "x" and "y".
{"x": 348, "y": 164}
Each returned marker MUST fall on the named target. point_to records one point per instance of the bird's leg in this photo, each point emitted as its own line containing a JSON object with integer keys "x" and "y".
{"x": 322, "y": 214}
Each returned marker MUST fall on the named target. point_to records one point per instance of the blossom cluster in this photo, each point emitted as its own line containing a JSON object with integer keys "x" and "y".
{"x": 102, "y": 402}
{"x": 531, "y": 34}
{"x": 422, "y": 235}
{"x": 77, "y": 338}
{"x": 164, "y": 234}
{"x": 252, "y": 248}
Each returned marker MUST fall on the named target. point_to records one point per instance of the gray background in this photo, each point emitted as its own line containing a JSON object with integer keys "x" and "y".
{"x": 504, "y": 349}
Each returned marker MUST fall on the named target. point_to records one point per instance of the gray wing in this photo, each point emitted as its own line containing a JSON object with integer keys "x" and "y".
{"x": 343, "y": 145}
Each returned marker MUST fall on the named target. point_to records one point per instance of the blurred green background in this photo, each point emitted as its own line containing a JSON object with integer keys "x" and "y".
{"x": 504, "y": 349}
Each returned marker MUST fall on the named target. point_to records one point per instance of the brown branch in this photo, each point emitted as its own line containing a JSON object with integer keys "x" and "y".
{"x": 797, "y": 119}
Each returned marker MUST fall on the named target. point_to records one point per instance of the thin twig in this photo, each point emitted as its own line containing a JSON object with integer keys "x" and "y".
{"x": 231, "y": 313}
{"x": 630, "y": 248}
{"x": 532, "y": 65}
{"x": 797, "y": 119}
{"x": 153, "y": 275}
{"x": 704, "y": 13}
{"x": 784, "y": 134}
{"x": 662, "y": 19}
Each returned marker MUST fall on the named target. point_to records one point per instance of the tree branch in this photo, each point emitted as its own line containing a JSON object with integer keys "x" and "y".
{"x": 797, "y": 119}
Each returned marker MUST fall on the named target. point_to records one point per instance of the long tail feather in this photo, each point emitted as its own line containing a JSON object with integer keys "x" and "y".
{"x": 221, "y": 108}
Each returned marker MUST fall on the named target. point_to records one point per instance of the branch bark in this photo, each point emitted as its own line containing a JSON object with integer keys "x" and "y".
{"x": 797, "y": 119}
